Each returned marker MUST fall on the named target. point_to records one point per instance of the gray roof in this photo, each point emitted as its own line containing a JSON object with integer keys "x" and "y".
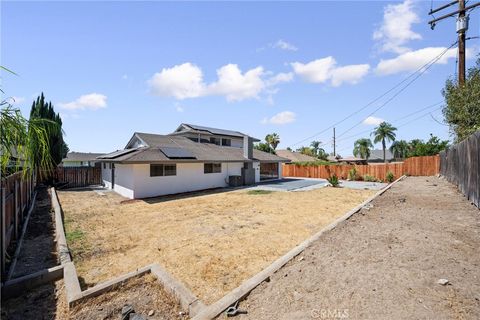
{"x": 82, "y": 156}
{"x": 200, "y": 151}
{"x": 222, "y": 132}
{"x": 377, "y": 154}
{"x": 295, "y": 156}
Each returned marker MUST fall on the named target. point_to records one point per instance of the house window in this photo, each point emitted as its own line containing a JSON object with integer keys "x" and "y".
{"x": 215, "y": 141}
{"x": 159, "y": 170}
{"x": 212, "y": 167}
{"x": 226, "y": 142}
{"x": 104, "y": 165}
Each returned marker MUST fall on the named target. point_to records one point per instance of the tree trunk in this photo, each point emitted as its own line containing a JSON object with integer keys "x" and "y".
{"x": 384, "y": 154}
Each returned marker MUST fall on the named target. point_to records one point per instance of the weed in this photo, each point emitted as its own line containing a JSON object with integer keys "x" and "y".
{"x": 390, "y": 177}
{"x": 258, "y": 192}
{"x": 369, "y": 178}
{"x": 333, "y": 180}
{"x": 352, "y": 174}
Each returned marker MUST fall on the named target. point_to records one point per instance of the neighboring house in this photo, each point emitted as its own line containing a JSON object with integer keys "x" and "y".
{"x": 191, "y": 158}
{"x": 352, "y": 160}
{"x": 377, "y": 156}
{"x": 81, "y": 159}
{"x": 295, "y": 156}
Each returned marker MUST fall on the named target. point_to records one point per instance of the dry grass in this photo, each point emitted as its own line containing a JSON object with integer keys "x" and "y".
{"x": 211, "y": 242}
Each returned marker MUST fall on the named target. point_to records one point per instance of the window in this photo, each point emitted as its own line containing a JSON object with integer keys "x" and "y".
{"x": 226, "y": 142}
{"x": 215, "y": 141}
{"x": 159, "y": 170}
{"x": 212, "y": 167}
{"x": 104, "y": 165}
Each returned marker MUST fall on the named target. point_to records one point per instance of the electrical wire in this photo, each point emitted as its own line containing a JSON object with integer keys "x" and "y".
{"x": 420, "y": 70}
{"x": 403, "y": 88}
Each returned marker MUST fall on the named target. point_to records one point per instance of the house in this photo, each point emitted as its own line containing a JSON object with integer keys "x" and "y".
{"x": 352, "y": 160}
{"x": 189, "y": 159}
{"x": 81, "y": 159}
{"x": 377, "y": 156}
{"x": 295, "y": 156}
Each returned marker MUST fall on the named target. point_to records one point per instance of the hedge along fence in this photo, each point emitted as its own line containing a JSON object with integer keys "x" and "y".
{"x": 416, "y": 166}
{"x": 460, "y": 165}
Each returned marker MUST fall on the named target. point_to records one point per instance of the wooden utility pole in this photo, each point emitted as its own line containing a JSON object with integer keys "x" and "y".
{"x": 462, "y": 27}
{"x": 334, "y": 146}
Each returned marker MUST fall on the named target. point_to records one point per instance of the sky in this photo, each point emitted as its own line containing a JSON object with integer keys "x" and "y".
{"x": 295, "y": 68}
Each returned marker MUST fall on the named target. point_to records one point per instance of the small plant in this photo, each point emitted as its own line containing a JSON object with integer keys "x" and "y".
{"x": 390, "y": 177}
{"x": 333, "y": 180}
{"x": 369, "y": 178}
{"x": 352, "y": 174}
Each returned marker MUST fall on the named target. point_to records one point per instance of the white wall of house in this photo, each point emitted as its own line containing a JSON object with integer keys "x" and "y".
{"x": 106, "y": 175}
{"x": 78, "y": 163}
{"x": 134, "y": 181}
{"x": 280, "y": 171}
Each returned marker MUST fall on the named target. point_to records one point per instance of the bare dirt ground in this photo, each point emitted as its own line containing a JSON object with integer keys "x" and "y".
{"x": 144, "y": 294}
{"x": 384, "y": 263}
{"x": 38, "y": 250}
{"x": 45, "y": 302}
{"x": 209, "y": 241}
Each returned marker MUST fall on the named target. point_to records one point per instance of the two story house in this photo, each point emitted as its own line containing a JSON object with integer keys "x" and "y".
{"x": 189, "y": 159}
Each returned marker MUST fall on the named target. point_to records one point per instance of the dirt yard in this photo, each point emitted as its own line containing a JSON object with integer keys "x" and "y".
{"x": 385, "y": 262}
{"x": 210, "y": 241}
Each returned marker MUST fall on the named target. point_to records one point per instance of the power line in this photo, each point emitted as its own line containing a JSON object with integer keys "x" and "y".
{"x": 394, "y": 121}
{"x": 421, "y": 70}
{"x": 404, "y": 87}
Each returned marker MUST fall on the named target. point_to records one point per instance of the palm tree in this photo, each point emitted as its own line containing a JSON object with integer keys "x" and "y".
{"x": 384, "y": 132}
{"x": 315, "y": 146}
{"x": 273, "y": 140}
{"x": 362, "y": 147}
{"x": 23, "y": 142}
{"x": 400, "y": 149}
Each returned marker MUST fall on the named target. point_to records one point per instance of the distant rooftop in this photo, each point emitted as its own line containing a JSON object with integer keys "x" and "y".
{"x": 82, "y": 156}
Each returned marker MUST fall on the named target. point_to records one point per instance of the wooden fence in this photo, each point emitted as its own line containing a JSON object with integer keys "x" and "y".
{"x": 416, "y": 166}
{"x": 460, "y": 164}
{"x": 16, "y": 196}
{"x": 75, "y": 177}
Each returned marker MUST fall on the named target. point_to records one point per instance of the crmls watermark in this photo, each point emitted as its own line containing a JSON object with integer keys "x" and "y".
{"x": 329, "y": 313}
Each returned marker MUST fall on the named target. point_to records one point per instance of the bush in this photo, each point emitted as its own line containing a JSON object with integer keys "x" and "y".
{"x": 333, "y": 180}
{"x": 368, "y": 178}
{"x": 390, "y": 177}
{"x": 352, "y": 174}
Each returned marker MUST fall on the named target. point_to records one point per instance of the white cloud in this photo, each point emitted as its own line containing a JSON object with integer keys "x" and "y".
{"x": 283, "y": 117}
{"x": 92, "y": 101}
{"x": 325, "y": 69}
{"x": 125, "y": 77}
{"x": 373, "y": 121}
{"x": 236, "y": 86}
{"x": 16, "y": 100}
{"x": 284, "y": 45}
{"x": 186, "y": 81}
{"x": 181, "y": 81}
{"x": 396, "y": 28}
{"x": 179, "y": 107}
{"x": 413, "y": 60}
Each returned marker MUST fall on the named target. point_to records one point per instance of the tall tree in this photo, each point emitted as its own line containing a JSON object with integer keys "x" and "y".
{"x": 400, "y": 149}
{"x": 462, "y": 109}
{"x": 315, "y": 144}
{"x": 362, "y": 148}
{"x": 43, "y": 110}
{"x": 384, "y": 132}
{"x": 273, "y": 140}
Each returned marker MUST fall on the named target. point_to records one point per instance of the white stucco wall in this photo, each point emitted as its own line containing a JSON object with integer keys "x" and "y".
{"x": 107, "y": 175}
{"x": 78, "y": 163}
{"x": 124, "y": 180}
{"x": 280, "y": 171}
{"x": 190, "y": 177}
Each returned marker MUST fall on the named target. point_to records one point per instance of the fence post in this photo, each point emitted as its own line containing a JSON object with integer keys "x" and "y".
{"x": 15, "y": 208}
{"x": 3, "y": 236}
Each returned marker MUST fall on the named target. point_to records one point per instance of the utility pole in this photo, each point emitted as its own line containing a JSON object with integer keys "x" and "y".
{"x": 462, "y": 27}
{"x": 334, "y": 146}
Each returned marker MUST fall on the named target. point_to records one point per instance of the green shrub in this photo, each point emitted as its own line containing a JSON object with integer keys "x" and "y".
{"x": 390, "y": 177}
{"x": 333, "y": 180}
{"x": 352, "y": 174}
{"x": 369, "y": 178}
{"x": 258, "y": 192}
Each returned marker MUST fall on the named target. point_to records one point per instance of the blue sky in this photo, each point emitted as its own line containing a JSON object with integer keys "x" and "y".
{"x": 113, "y": 68}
